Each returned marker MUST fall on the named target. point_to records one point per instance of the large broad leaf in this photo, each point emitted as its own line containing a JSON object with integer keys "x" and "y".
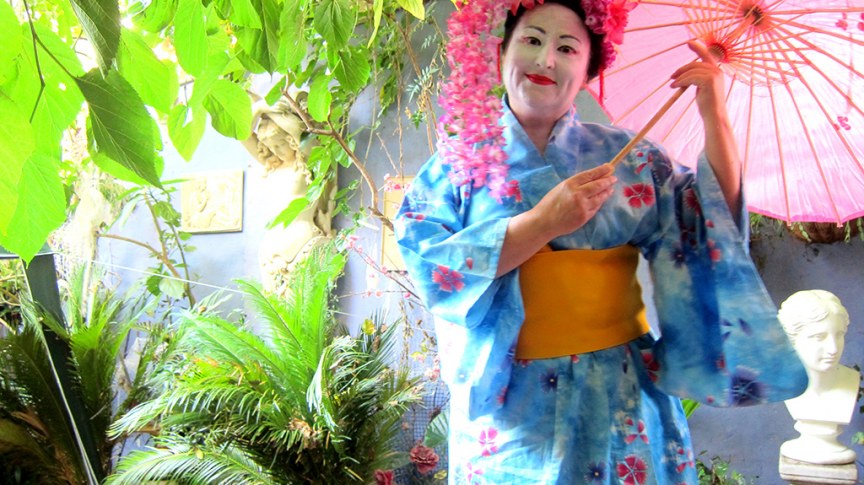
{"x": 243, "y": 13}
{"x": 186, "y": 126}
{"x": 121, "y": 126}
{"x": 320, "y": 97}
{"x": 16, "y": 145}
{"x": 156, "y": 15}
{"x": 41, "y": 207}
{"x": 414, "y": 7}
{"x": 353, "y": 69}
{"x": 11, "y": 40}
{"x": 292, "y": 24}
{"x": 230, "y": 108}
{"x": 335, "y": 20}
{"x": 216, "y": 64}
{"x": 190, "y": 36}
{"x": 154, "y": 80}
{"x": 262, "y": 45}
{"x": 101, "y": 22}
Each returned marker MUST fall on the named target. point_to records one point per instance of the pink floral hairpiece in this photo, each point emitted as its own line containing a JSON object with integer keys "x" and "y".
{"x": 470, "y": 138}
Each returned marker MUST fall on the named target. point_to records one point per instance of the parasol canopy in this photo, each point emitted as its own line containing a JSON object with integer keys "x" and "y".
{"x": 795, "y": 94}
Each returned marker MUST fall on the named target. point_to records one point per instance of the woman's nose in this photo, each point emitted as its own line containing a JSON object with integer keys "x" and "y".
{"x": 546, "y": 57}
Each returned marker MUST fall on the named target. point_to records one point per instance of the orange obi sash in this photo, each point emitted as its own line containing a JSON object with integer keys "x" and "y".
{"x": 579, "y": 300}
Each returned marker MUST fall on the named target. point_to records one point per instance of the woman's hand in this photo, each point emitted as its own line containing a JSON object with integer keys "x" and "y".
{"x": 720, "y": 146}
{"x": 567, "y": 207}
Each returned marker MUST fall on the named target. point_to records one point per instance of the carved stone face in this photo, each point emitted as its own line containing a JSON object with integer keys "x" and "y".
{"x": 820, "y": 344}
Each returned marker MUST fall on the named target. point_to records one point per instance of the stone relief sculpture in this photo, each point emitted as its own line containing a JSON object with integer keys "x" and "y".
{"x": 277, "y": 144}
{"x": 816, "y": 323}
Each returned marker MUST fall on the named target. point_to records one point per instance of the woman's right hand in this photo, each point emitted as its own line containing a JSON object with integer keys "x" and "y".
{"x": 573, "y": 202}
{"x": 566, "y": 208}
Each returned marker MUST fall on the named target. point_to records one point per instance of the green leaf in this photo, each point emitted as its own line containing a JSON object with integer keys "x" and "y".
{"x": 172, "y": 288}
{"x": 186, "y": 126}
{"x": 320, "y": 97}
{"x": 154, "y": 80}
{"x": 11, "y": 40}
{"x": 122, "y": 129}
{"x": 292, "y": 24}
{"x": 16, "y": 145}
{"x": 414, "y": 7}
{"x": 101, "y": 22}
{"x": 377, "y": 10}
{"x": 262, "y": 44}
{"x": 116, "y": 170}
{"x": 295, "y": 207}
{"x": 353, "y": 69}
{"x": 335, "y": 20}
{"x": 41, "y": 206}
{"x": 230, "y": 109}
{"x": 243, "y": 13}
{"x": 216, "y": 63}
{"x": 156, "y": 15}
{"x": 190, "y": 37}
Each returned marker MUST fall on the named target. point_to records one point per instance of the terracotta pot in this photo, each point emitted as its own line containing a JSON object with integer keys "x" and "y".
{"x": 824, "y": 232}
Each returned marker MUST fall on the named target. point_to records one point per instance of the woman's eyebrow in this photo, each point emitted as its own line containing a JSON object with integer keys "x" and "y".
{"x": 565, "y": 36}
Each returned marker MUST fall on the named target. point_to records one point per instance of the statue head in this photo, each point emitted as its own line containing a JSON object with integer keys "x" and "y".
{"x": 816, "y": 323}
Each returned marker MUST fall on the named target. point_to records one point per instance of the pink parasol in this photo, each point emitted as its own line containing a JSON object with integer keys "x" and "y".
{"x": 795, "y": 95}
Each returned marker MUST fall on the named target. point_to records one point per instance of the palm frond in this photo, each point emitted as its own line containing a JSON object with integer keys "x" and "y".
{"x": 182, "y": 463}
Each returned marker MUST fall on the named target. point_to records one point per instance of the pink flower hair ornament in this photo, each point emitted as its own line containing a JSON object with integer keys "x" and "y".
{"x": 469, "y": 136}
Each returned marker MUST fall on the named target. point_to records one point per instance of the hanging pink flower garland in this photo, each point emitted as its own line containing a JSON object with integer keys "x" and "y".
{"x": 469, "y": 136}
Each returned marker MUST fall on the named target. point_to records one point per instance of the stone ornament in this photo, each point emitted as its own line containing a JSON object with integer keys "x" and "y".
{"x": 816, "y": 323}
{"x": 278, "y": 144}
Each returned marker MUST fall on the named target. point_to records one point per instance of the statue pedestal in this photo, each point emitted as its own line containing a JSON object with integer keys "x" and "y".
{"x": 800, "y": 473}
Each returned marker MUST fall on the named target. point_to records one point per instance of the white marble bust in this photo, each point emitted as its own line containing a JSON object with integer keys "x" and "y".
{"x": 816, "y": 323}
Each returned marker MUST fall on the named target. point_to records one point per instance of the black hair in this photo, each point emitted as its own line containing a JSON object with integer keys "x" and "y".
{"x": 596, "y": 56}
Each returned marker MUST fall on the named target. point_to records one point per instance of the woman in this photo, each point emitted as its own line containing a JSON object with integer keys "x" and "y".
{"x": 554, "y": 377}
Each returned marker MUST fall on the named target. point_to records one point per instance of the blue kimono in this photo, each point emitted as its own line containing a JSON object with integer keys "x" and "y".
{"x": 607, "y": 416}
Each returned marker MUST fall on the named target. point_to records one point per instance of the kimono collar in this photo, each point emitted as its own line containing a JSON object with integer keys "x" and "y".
{"x": 566, "y": 128}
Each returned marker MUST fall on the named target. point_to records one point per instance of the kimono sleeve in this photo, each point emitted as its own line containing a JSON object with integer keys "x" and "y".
{"x": 721, "y": 343}
{"x": 451, "y": 263}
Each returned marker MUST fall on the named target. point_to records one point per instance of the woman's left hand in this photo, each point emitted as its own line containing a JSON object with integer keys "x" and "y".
{"x": 720, "y": 146}
{"x": 706, "y": 75}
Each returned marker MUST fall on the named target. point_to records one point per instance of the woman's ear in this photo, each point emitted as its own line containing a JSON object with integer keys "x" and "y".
{"x": 498, "y": 64}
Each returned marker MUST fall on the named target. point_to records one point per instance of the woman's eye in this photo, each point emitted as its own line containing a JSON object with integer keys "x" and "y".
{"x": 531, "y": 40}
{"x": 567, "y": 49}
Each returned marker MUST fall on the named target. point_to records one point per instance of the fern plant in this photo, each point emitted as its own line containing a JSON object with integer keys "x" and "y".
{"x": 299, "y": 401}
{"x": 36, "y": 443}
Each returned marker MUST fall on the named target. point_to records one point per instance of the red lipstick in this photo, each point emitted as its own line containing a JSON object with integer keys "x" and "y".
{"x": 541, "y": 80}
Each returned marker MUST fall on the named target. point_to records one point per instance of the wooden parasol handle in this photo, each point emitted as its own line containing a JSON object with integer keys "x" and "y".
{"x": 639, "y": 136}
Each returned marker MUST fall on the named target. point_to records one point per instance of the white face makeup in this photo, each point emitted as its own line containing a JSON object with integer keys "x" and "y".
{"x": 546, "y": 63}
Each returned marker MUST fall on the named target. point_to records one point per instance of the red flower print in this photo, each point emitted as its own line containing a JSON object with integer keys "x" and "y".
{"x": 638, "y": 429}
{"x": 685, "y": 460}
{"x": 632, "y": 471}
{"x": 487, "y": 441}
{"x": 574, "y": 358}
{"x": 447, "y": 279}
{"x": 639, "y": 195}
{"x": 652, "y": 367}
{"x": 715, "y": 253}
{"x": 469, "y": 262}
{"x": 692, "y": 201}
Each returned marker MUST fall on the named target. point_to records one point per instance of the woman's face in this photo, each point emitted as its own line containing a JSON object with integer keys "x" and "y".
{"x": 820, "y": 344}
{"x": 546, "y": 63}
